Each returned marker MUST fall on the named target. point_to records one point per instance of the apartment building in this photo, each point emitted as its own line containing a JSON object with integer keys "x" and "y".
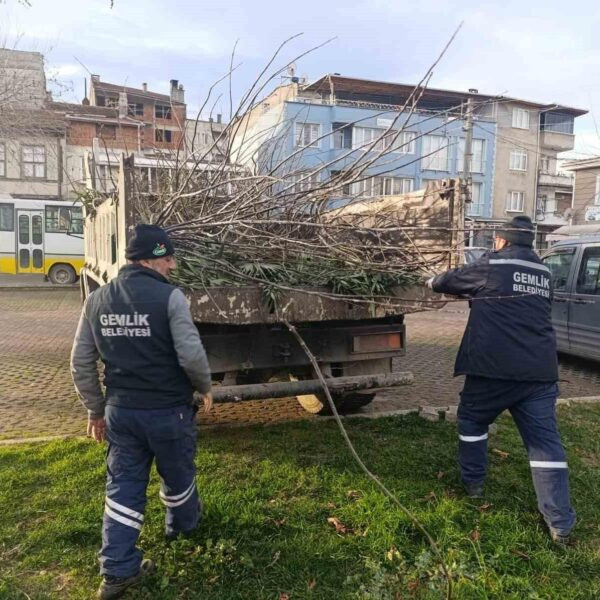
{"x": 32, "y": 138}
{"x": 204, "y": 139}
{"x": 530, "y": 136}
{"x": 585, "y": 209}
{"x": 515, "y": 144}
{"x": 163, "y": 116}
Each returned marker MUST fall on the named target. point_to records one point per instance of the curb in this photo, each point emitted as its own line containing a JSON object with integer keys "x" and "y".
{"x": 38, "y": 440}
{"x": 30, "y": 288}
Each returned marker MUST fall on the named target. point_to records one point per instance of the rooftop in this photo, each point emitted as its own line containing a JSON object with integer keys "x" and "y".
{"x": 111, "y": 88}
{"x": 582, "y": 163}
{"x": 402, "y": 90}
{"x": 89, "y": 112}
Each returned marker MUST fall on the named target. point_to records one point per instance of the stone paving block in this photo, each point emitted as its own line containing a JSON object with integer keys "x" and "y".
{"x": 429, "y": 413}
{"x": 37, "y": 396}
{"x": 451, "y": 414}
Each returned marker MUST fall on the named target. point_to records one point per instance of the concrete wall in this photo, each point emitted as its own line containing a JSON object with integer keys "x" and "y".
{"x": 583, "y": 197}
{"x": 22, "y": 79}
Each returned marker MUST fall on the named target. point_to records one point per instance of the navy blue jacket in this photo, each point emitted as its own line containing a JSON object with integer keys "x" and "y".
{"x": 130, "y": 323}
{"x": 509, "y": 334}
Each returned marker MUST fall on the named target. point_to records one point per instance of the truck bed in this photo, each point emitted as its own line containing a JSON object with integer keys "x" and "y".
{"x": 246, "y": 305}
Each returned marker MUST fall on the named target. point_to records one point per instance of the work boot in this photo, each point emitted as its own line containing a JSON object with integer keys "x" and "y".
{"x": 115, "y": 587}
{"x": 173, "y": 535}
{"x": 474, "y": 490}
{"x": 559, "y": 537}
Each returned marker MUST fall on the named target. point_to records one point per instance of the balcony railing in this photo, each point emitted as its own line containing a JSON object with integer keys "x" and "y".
{"x": 555, "y": 179}
{"x": 455, "y": 112}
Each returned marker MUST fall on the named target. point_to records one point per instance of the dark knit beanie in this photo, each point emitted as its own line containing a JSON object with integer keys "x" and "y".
{"x": 519, "y": 231}
{"x": 148, "y": 241}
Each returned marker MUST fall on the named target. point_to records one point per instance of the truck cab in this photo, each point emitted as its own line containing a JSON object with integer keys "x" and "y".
{"x": 575, "y": 267}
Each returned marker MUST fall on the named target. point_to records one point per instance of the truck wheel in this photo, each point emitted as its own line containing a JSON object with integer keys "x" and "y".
{"x": 62, "y": 274}
{"x": 313, "y": 404}
{"x": 345, "y": 404}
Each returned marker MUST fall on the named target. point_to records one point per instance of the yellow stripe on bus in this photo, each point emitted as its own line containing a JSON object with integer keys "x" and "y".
{"x": 8, "y": 264}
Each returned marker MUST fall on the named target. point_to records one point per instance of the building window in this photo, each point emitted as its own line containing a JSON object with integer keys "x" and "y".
{"x": 135, "y": 109}
{"x": 478, "y": 149}
{"x": 307, "y": 134}
{"x": 7, "y": 217}
{"x": 106, "y": 132}
{"x": 108, "y": 101}
{"x": 60, "y": 219}
{"x": 435, "y": 153}
{"x": 163, "y": 135}
{"x": 405, "y": 144}
{"x": 342, "y": 136}
{"x": 475, "y": 207}
{"x": 162, "y": 111}
{"x": 520, "y": 118}
{"x": 545, "y": 164}
{"x": 597, "y": 194}
{"x": 393, "y": 141}
{"x": 557, "y": 122}
{"x": 305, "y": 182}
{"x": 364, "y": 137}
{"x": 518, "y": 160}
{"x": 382, "y": 186}
{"x": 515, "y": 201}
{"x": 34, "y": 162}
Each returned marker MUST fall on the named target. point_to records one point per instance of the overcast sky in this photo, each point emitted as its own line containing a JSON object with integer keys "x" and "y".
{"x": 545, "y": 51}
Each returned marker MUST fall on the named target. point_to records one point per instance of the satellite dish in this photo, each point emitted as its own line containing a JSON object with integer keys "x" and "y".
{"x": 568, "y": 213}
{"x": 291, "y": 70}
{"x": 304, "y": 79}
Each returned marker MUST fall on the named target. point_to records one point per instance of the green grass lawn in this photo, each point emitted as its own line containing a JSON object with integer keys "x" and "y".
{"x": 268, "y": 494}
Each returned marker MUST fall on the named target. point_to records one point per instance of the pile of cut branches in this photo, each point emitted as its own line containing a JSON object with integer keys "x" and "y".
{"x": 247, "y": 210}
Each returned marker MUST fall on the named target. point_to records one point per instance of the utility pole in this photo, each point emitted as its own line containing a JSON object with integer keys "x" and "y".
{"x": 466, "y": 180}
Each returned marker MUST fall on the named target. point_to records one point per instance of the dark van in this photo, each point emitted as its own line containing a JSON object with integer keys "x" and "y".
{"x": 575, "y": 267}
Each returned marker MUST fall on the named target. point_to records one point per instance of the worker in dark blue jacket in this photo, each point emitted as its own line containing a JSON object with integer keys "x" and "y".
{"x": 141, "y": 328}
{"x": 508, "y": 354}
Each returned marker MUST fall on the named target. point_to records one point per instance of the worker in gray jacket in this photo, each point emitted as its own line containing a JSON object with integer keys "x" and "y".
{"x": 141, "y": 328}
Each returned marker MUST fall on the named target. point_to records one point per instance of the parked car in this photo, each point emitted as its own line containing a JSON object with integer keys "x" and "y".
{"x": 574, "y": 264}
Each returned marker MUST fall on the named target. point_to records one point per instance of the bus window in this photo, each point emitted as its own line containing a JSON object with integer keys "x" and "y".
{"x": 7, "y": 217}
{"x": 63, "y": 219}
{"x": 38, "y": 261}
{"x": 36, "y": 230}
{"x": 24, "y": 231}
{"x": 76, "y": 220}
{"x": 24, "y": 258}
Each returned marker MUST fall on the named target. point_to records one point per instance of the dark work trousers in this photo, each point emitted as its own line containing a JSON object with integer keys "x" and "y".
{"x": 135, "y": 438}
{"x": 532, "y": 406}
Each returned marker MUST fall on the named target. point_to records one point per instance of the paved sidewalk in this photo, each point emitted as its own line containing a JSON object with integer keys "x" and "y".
{"x": 30, "y": 281}
{"x": 37, "y": 396}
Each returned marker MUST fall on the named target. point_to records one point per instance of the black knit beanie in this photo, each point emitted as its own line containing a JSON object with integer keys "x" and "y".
{"x": 148, "y": 241}
{"x": 519, "y": 231}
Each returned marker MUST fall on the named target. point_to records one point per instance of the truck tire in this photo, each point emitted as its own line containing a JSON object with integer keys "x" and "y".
{"x": 317, "y": 404}
{"x": 62, "y": 274}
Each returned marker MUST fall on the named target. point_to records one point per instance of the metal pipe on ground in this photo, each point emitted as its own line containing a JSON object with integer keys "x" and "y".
{"x": 337, "y": 385}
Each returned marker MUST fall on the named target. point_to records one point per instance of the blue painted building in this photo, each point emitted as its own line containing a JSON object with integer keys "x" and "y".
{"x": 310, "y": 133}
